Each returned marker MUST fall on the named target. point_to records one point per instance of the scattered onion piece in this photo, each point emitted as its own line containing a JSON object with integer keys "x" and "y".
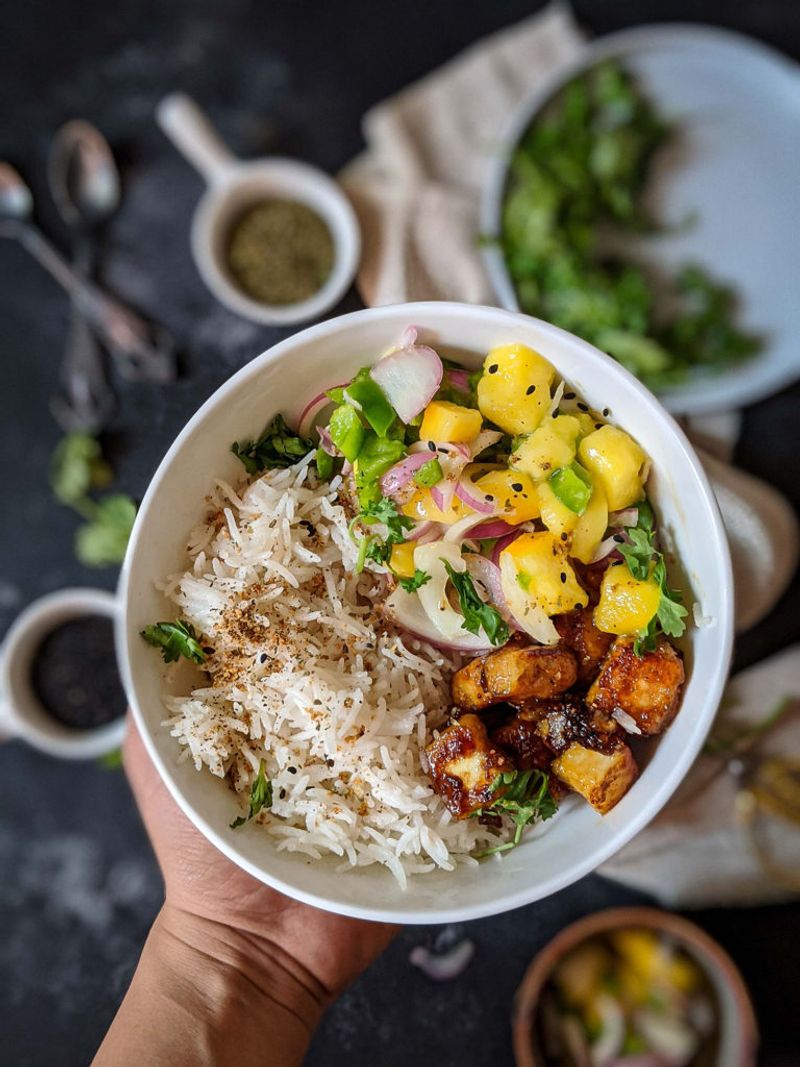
{"x": 305, "y": 423}
{"x": 406, "y": 611}
{"x": 398, "y": 476}
{"x": 326, "y": 443}
{"x": 444, "y": 966}
{"x": 626, "y": 517}
{"x": 410, "y": 378}
{"x": 423, "y": 530}
{"x": 467, "y": 493}
{"x": 488, "y": 574}
{"x": 493, "y": 528}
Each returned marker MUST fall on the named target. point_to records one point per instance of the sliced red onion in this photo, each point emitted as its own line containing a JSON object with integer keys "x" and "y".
{"x": 325, "y": 442}
{"x": 459, "y": 379}
{"x": 408, "y": 337}
{"x": 484, "y": 440}
{"x": 441, "y": 448}
{"x": 459, "y": 530}
{"x": 627, "y": 722}
{"x": 488, "y": 574}
{"x": 557, "y": 395}
{"x": 444, "y": 966}
{"x": 410, "y": 378}
{"x": 605, "y": 548}
{"x": 422, "y": 530}
{"x": 468, "y": 494}
{"x": 626, "y": 517}
{"x": 438, "y": 497}
{"x": 401, "y": 473}
{"x": 495, "y": 528}
{"x": 504, "y": 542}
{"x": 406, "y": 611}
{"x": 310, "y": 411}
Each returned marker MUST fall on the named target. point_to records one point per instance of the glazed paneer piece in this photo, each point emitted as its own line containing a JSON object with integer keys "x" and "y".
{"x": 646, "y": 687}
{"x": 589, "y": 645}
{"x": 514, "y": 674}
{"x": 464, "y": 764}
{"x": 525, "y": 738}
{"x": 603, "y": 778}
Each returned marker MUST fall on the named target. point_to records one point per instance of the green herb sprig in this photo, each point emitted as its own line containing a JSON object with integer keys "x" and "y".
{"x": 526, "y": 798}
{"x": 260, "y": 796}
{"x": 383, "y": 510}
{"x": 477, "y": 613}
{"x": 175, "y": 639}
{"x": 412, "y": 584}
{"x": 645, "y": 561}
{"x": 277, "y": 447}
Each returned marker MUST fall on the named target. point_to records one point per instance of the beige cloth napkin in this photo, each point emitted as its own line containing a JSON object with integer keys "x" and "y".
{"x": 417, "y": 190}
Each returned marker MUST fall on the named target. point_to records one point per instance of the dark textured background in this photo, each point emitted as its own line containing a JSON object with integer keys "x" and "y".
{"x": 78, "y": 886}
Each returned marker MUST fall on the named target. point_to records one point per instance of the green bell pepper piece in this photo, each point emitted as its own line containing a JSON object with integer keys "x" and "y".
{"x": 429, "y": 474}
{"x": 346, "y": 431}
{"x": 371, "y": 401}
{"x": 572, "y": 486}
{"x": 325, "y": 464}
{"x": 377, "y": 455}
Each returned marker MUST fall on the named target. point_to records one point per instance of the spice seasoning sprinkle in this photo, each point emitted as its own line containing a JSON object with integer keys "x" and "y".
{"x": 280, "y": 252}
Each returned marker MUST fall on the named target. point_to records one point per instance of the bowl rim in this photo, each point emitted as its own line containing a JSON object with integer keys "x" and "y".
{"x": 661, "y": 791}
{"x": 526, "y": 999}
{"x": 704, "y": 397}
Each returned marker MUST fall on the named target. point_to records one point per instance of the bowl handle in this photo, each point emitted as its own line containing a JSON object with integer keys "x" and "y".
{"x": 195, "y": 138}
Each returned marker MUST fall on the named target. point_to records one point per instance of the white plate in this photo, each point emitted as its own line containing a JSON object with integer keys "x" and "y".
{"x": 282, "y": 380}
{"x": 737, "y": 104}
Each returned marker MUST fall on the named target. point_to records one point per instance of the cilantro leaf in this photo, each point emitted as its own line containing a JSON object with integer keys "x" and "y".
{"x": 260, "y": 796}
{"x": 412, "y": 584}
{"x": 78, "y": 466}
{"x": 526, "y": 798}
{"x": 104, "y": 538}
{"x": 477, "y": 613}
{"x": 645, "y": 561}
{"x": 276, "y": 447}
{"x": 383, "y": 510}
{"x": 175, "y": 639}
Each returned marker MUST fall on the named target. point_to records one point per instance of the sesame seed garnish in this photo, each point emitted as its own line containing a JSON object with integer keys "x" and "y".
{"x": 292, "y": 770}
{"x": 598, "y": 426}
{"x": 619, "y": 538}
{"x": 431, "y": 446}
{"x": 569, "y": 396}
{"x": 488, "y": 496}
{"x": 582, "y": 406}
{"x": 564, "y": 537}
{"x": 578, "y": 607}
{"x": 493, "y": 369}
{"x": 563, "y": 578}
{"x": 517, "y": 487}
{"x": 530, "y": 390}
{"x": 606, "y": 412}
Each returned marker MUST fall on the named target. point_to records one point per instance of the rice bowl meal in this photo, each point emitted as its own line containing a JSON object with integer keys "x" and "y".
{"x": 426, "y": 615}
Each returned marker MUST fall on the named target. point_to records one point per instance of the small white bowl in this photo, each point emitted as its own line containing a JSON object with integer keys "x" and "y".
{"x": 233, "y": 186}
{"x": 21, "y": 712}
{"x": 282, "y": 380}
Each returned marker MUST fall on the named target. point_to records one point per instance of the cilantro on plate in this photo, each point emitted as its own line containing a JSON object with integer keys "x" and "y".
{"x": 175, "y": 639}
{"x": 526, "y": 798}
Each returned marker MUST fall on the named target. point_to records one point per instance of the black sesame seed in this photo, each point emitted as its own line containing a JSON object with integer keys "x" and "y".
{"x": 598, "y": 426}
{"x": 488, "y": 496}
{"x": 263, "y": 657}
{"x": 431, "y": 446}
{"x": 569, "y": 396}
{"x": 578, "y": 607}
{"x": 582, "y": 406}
{"x": 616, "y": 563}
{"x": 531, "y": 389}
{"x": 209, "y": 651}
{"x": 606, "y": 412}
{"x": 282, "y": 793}
{"x": 517, "y": 487}
{"x": 556, "y": 413}
{"x": 493, "y": 369}
{"x": 619, "y": 538}
{"x": 330, "y": 762}
{"x": 292, "y": 770}
{"x": 564, "y": 536}
{"x": 563, "y": 578}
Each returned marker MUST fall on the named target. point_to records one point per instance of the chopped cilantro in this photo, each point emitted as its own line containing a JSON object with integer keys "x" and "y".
{"x": 276, "y": 447}
{"x": 412, "y": 584}
{"x": 260, "y": 796}
{"x": 645, "y": 561}
{"x": 525, "y": 798}
{"x": 103, "y": 540}
{"x": 175, "y": 639}
{"x": 477, "y": 613}
{"x": 383, "y": 510}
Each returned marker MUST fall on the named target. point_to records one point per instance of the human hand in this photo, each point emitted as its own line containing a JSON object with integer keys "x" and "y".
{"x": 229, "y": 959}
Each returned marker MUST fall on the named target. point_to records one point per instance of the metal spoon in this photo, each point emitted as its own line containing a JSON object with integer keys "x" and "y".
{"x": 142, "y": 350}
{"x": 84, "y": 184}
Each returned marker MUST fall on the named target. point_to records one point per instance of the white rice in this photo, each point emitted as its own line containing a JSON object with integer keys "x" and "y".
{"x": 306, "y": 675}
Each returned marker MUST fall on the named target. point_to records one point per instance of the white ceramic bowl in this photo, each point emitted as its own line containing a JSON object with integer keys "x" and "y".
{"x": 281, "y": 380}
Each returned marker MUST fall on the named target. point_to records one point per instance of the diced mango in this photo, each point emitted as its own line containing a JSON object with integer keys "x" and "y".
{"x": 443, "y": 421}
{"x": 512, "y": 494}
{"x": 402, "y": 559}
{"x": 626, "y": 604}
{"x": 587, "y": 422}
{"x": 545, "y": 573}
{"x": 556, "y": 516}
{"x": 618, "y": 463}
{"x": 422, "y": 506}
{"x": 514, "y": 391}
{"x": 590, "y": 527}
{"x": 550, "y": 446}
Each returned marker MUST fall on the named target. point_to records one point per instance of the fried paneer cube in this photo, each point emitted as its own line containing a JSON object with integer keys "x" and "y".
{"x": 514, "y": 674}
{"x": 601, "y": 777}
{"x": 464, "y": 764}
{"x": 646, "y": 687}
{"x": 589, "y": 645}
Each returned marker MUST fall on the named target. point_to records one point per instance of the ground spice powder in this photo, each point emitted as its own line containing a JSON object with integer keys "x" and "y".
{"x": 280, "y": 252}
